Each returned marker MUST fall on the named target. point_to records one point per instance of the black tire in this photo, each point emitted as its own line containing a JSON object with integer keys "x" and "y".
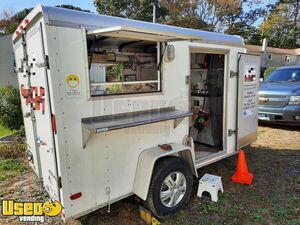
{"x": 162, "y": 170}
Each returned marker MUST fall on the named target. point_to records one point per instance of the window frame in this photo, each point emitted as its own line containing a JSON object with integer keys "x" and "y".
{"x": 160, "y": 47}
{"x": 270, "y": 58}
{"x": 287, "y": 59}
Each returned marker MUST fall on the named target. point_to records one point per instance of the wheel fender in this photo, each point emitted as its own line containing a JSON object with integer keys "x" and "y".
{"x": 147, "y": 160}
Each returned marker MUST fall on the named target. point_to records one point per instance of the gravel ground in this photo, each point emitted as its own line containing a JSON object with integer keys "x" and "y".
{"x": 273, "y": 198}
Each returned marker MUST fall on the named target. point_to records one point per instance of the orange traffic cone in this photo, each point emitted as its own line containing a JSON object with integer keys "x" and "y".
{"x": 242, "y": 174}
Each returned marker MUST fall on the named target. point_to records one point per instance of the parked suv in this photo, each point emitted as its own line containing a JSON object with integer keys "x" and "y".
{"x": 279, "y": 96}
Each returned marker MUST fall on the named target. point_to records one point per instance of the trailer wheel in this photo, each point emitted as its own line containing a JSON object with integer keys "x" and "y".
{"x": 170, "y": 187}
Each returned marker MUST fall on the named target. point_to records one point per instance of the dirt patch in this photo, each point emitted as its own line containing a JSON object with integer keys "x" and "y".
{"x": 273, "y": 198}
{"x": 10, "y": 138}
{"x": 278, "y": 137}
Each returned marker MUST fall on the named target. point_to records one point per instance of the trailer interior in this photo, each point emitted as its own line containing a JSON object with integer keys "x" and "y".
{"x": 122, "y": 66}
{"x": 125, "y": 66}
{"x": 206, "y": 102}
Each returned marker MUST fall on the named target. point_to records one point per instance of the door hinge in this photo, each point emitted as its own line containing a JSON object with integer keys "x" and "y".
{"x": 231, "y": 132}
{"x": 58, "y": 179}
{"x": 187, "y": 79}
{"x": 233, "y": 74}
{"x": 43, "y": 64}
{"x": 59, "y": 184}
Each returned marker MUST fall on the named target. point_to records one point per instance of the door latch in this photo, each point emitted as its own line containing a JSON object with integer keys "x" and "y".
{"x": 26, "y": 115}
{"x": 233, "y": 74}
{"x": 43, "y": 64}
{"x": 57, "y": 179}
{"x": 187, "y": 79}
{"x": 231, "y": 132}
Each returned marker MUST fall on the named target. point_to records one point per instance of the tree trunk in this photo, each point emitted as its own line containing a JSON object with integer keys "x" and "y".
{"x": 295, "y": 22}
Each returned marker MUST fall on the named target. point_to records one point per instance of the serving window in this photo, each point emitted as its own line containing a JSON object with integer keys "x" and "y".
{"x": 123, "y": 66}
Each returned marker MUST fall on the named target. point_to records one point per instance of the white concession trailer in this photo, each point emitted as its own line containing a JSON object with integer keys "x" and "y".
{"x": 114, "y": 107}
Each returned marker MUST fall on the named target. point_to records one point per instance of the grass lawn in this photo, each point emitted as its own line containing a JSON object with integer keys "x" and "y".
{"x": 10, "y": 167}
{"x": 4, "y": 131}
{"x": 11, "y": 160}
{"x": 273, "y": 198}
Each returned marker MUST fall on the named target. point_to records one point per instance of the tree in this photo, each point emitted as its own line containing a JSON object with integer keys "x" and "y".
{"x": 133, "y": 9}
{"x": 294, "y": 6}
{"x": 232, "y": 18}
{"x": 10, "y": 21}
{"x": 72, "y": 7}
{"x": 208, "y": 13}
{"x": 184, "y": 13}
{"x": 10, "y": 108}
{"x": 280, "y": 27}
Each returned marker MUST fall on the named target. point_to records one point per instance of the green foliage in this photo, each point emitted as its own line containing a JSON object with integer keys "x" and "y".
{"x": 114, "y": 89}
{"x": 12, "y": 158}
{"x": 269, "y": 71}
{"x": 218, "y": 15}
{"x": 238, "y": 21}
{"x": 10, "y": 108}
{"x": 114, "y": 73}
{"x": 184, "y": 13}
{"x": 281, "y": 28}
{"x": 20, "y": 132}
{"x": 11, "y": 22}
{"x": 136, "y": 9}
{"x": 12, "y": 150}
{"x": 72, "y": 7}
{"x": 4, "y": 131}
{"x": 10, "y": 168}
{"x": 252, "y": 36}
{"x": 10, "y": 164}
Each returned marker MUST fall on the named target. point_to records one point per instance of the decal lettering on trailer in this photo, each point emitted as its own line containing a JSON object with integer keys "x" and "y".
{"x": 250, "y": 84}
{"x": 35, "y": 96}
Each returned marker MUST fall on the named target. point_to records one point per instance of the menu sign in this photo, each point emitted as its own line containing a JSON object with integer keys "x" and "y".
{"x": 250, "y": 85}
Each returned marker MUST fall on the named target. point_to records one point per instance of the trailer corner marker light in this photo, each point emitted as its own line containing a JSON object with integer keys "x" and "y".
{"x": 75, "y": 196}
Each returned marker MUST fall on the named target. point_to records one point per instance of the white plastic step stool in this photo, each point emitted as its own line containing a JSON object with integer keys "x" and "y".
{"x": 212, "y": 184}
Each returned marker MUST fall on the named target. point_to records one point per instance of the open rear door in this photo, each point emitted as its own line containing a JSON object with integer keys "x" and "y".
{"x": 248, "y": 84}
{"x": 35, "y": 98}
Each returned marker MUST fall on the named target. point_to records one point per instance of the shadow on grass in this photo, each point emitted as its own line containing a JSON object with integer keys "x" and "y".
{"x": 282, "y": 126}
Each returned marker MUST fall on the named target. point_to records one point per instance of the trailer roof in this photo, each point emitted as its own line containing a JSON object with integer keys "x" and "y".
{"x": 72, "y": 18}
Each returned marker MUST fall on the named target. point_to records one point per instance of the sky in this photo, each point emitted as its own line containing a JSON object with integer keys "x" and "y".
{"x": 17, "y": 5}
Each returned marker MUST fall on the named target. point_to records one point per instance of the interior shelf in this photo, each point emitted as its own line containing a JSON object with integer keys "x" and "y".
{"x": 198, "y": 70}
{"x": 199, "y": 95}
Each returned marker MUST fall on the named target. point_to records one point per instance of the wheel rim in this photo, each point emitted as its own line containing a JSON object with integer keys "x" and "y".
{"x": 173, "y": 189}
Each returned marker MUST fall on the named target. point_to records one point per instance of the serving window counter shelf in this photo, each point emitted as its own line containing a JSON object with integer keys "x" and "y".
{"x": 101, "y": 124}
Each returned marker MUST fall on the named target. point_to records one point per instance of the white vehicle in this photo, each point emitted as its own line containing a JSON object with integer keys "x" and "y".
{"x": 114, "y": 107}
